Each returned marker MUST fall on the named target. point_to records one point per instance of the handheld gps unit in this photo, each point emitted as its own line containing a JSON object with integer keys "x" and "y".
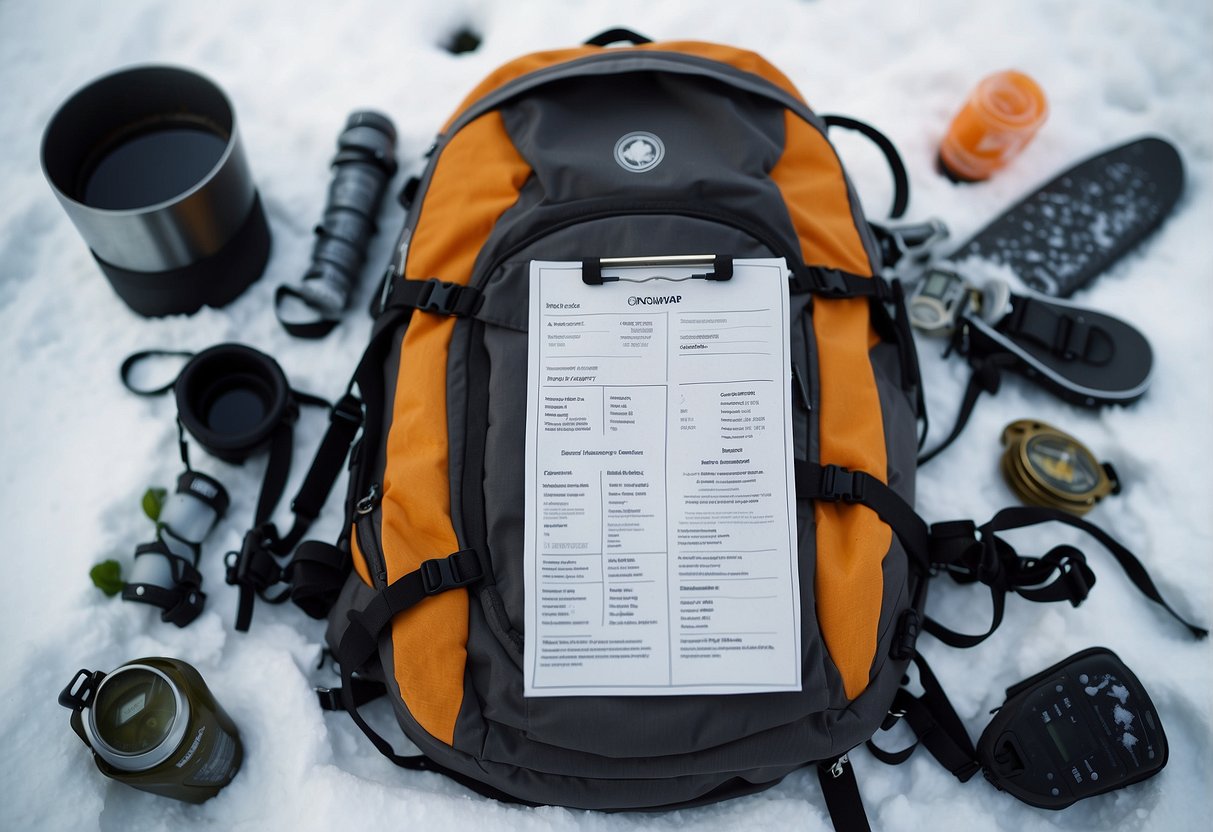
{"x": 938, "y": 301}
{"x": 1082, "y": 727}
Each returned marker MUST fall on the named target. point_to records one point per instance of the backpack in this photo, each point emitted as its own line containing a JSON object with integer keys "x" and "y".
{"x": 526, "y": 170}
{"x": 424, "y": 590}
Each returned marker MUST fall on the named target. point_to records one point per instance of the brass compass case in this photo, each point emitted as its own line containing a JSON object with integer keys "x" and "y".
{"x": 1047, "y": 467}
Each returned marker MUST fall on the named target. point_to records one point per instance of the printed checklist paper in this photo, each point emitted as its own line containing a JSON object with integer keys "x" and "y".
{"x": 660, "y": 534}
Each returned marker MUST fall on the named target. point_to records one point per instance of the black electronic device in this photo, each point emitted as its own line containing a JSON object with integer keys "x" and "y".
{"x": 1082, "y": 727}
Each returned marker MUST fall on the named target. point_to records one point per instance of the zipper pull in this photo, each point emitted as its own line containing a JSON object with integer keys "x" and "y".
{"x": 367, "y": 504}
{"x": 799, "y": 387}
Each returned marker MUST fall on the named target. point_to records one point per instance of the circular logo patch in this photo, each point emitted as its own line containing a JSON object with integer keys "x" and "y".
{"x": 639, "y": 152}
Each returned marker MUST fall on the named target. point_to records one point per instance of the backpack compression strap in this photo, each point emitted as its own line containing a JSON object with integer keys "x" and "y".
{"x": 970, "y": 553}
{"x": 977, "y": 554}
{"x": 841, "y": 793}
{"x": 935, "y": 724}
{"x": 254, "y": 568}
{"x": 461, "y": 301}
{"x": 314, "y": 574}
{"x": 360, "y": 641}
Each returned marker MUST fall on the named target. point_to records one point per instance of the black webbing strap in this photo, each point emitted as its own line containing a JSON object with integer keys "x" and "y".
{"x": 277, "y": 470}
{"x": 362, "y": 690}
{"x": 124, "y": 372}
{"x": 436, "y": 296}
{"x": 317, "y": 327}
{"x": 841, "y": 793}
{"x": 835, "y": 283}
{"x": 313, "y": 582}
{"x": 1062, "y": 330}
{"x": 344, "y": 422}
{"x": 901, "y": 180}
{"x": 833, "y": 483}
{"x": 255, "y": 569}
{"x": 361, "y": 637}
{"x": 936, "y": 726}
{"x": 361, "y": 640}
{"x": 184, "y": 601}
{"x": 315, "y": 573}
{"x": 976, "y": 554}
{"x": 986, "y": 378}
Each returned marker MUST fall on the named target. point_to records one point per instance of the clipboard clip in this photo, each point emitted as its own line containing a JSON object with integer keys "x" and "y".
{"x": 591, "y": 267}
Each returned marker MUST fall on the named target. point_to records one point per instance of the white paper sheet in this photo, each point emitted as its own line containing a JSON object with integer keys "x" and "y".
{"x": 660, "y": 500}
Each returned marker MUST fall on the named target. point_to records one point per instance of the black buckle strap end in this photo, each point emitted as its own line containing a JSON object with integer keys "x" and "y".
{"x": 186, "y": 609}
{"x": 329, "y": 699}
{"x": 459, "y": 569}
{"x": 841, "y": 793}
{"x": 905, "y": 639}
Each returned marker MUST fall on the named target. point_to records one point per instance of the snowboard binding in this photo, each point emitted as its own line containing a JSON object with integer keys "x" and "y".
{"x": 1085, "y": 357}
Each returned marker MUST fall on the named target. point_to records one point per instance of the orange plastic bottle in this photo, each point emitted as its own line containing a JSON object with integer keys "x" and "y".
{"x": 997, "y": 121}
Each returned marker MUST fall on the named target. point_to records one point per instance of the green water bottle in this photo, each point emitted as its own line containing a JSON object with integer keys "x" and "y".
{"x": 154, "y": 725}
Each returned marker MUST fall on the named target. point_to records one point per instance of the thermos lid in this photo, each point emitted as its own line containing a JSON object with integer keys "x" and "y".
{"x": 137, "y": 718}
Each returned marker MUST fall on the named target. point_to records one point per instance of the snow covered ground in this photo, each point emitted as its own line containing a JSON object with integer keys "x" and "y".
{"x": 77, "y": 451}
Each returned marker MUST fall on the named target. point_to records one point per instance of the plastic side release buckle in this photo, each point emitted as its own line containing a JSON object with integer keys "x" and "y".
{"x": 254, "y": 566}
{"x": 439, "y": 297}
{"x": 459, "y": 569}
{"x": 839, "y": 484}
{"x": 825, "y": 282}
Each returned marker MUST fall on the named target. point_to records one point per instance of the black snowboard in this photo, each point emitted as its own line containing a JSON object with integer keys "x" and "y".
{"x": 1070, "y": 229}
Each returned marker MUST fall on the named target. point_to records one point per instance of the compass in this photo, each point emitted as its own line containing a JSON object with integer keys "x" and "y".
{"x": 1047, "y": 467}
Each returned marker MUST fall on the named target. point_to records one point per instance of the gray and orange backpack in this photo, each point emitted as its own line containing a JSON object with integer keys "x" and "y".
{"x": 430, "y": 604}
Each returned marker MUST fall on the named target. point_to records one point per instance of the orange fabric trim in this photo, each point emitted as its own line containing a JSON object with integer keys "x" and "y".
{"x": 478, "y": 177}
{"x": 739, "y": 58}
{"x": 809, "y": 176}
{"x": 851, "y": 540}
{"x": 359, "y": 560}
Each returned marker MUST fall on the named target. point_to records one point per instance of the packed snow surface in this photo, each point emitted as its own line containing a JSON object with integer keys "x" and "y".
{"x": 77, "y": 451}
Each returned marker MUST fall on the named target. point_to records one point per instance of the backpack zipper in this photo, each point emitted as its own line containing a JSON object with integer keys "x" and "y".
{"x": 368, "y": 540}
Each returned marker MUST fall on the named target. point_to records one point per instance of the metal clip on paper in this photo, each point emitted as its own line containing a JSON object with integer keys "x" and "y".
{"x": 591, "y": 268}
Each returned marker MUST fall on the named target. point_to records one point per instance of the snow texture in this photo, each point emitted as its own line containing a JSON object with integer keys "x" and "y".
{"x": 77, "y": 451}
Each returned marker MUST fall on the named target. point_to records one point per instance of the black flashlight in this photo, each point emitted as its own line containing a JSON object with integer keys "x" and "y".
{"x": 364, "y": 164}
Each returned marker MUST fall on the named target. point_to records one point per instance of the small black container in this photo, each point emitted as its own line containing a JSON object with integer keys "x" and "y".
{"x": 232, "y": 398}
{"x": 149, "y": 166}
